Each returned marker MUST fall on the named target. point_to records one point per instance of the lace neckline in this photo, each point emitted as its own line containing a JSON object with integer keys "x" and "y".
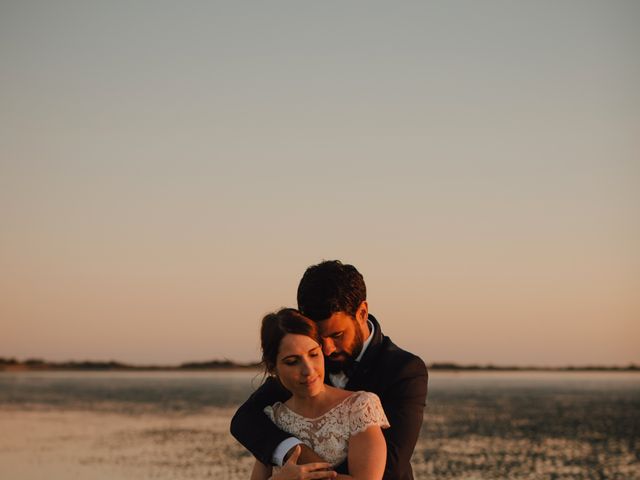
{"x": 319, "y": 416}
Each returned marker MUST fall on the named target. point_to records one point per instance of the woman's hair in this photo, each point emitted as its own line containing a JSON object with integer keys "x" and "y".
{"x": 276, "y": 325}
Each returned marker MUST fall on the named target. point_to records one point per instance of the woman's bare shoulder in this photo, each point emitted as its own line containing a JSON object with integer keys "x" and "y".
{"x": 338, "y": 394}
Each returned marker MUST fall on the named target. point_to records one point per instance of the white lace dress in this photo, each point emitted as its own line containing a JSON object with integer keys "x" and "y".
{"x": 328, "y": 435}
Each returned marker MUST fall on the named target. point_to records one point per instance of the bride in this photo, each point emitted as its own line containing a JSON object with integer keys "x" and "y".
{"x": 337, "y": 424}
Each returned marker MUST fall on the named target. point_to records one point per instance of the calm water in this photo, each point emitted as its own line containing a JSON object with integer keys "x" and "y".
{"x": 195, "y": 390}
{"x": 184, "y": 391}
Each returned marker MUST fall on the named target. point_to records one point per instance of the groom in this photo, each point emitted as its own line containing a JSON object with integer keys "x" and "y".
{"x": 358, "y": 356}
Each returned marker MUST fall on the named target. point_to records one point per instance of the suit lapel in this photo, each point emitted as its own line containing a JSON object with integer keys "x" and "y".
{"x": 358, "y": 380}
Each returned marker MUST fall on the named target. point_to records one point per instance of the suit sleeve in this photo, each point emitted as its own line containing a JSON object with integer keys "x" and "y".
{"x": 251, "y": 426}
{"x": 404, "y": 404}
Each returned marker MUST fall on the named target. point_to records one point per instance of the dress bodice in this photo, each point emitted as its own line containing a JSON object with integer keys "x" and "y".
{"x": 328, "y": 435}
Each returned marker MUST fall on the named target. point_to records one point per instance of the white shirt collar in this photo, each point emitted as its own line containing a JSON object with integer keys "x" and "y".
{"x": 367, "y": 341}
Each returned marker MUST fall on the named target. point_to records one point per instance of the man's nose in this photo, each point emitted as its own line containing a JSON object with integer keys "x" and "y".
{"x": 328, "y": 347}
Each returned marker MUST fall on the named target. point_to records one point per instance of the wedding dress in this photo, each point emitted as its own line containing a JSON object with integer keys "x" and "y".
{"x": 328, "y": 435}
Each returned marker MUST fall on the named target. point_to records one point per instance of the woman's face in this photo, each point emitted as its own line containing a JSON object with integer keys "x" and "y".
{"x": 300, "y": 365}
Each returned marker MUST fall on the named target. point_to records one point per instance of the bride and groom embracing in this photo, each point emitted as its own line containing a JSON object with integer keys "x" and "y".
{"x": 361, "y": 420}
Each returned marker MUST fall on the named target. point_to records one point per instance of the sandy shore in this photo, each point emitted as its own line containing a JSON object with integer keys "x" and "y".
{"x": 54, "y": 444}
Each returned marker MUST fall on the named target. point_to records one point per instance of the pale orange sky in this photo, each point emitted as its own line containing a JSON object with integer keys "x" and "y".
{"x": 168, "y": 171}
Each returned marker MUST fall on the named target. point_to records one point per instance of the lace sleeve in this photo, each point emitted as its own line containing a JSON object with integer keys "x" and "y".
{"x": 366, "y": 411}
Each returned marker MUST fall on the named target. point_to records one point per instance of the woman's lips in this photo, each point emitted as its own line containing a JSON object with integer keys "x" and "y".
{"x": 310, "y": 382}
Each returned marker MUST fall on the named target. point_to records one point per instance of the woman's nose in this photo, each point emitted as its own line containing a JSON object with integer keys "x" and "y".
{"x": 306, "y": 368}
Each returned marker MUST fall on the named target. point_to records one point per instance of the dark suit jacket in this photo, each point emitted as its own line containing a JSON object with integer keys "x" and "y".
{"x": 398, "y": 377}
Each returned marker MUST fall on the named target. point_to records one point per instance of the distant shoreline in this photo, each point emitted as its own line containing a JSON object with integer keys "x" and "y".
{"x": 13, "y": 365}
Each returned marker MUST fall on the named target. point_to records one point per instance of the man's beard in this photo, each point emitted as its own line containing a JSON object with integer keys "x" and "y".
{"x": 343, "y": 361}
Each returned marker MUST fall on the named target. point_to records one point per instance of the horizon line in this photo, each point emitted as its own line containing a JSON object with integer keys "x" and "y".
{"x": 219, "y": 364}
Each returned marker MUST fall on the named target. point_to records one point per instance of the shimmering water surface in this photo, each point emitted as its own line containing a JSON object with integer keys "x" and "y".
{"x": 126, "y": 425}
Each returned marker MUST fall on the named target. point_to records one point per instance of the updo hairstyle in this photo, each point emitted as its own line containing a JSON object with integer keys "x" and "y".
{"x": 275, "y": 326}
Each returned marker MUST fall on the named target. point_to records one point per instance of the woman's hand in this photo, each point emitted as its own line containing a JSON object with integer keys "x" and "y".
{"x": 292, "y": 471}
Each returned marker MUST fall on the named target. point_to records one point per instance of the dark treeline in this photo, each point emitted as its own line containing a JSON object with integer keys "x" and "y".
{"x": 490, "y": 367}
{"x": 39, "y": 364}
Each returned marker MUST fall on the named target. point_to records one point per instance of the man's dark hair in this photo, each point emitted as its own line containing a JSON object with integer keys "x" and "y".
{"x": 330, "y": 287}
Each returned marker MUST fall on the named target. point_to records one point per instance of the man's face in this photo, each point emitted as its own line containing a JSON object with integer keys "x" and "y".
{"x": 342, "y": 339}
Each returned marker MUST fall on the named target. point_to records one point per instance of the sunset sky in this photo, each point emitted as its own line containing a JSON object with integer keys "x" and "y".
{"x": 169, "y": 169}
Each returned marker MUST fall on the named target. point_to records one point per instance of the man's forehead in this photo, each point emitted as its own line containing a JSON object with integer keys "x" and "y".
{"x": 337, "y": 322}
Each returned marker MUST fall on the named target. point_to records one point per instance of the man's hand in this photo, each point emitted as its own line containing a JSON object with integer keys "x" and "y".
{"x": 292, "y": 471}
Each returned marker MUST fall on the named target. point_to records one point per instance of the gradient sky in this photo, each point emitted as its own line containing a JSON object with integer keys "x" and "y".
{"x": 169, "y": 169}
